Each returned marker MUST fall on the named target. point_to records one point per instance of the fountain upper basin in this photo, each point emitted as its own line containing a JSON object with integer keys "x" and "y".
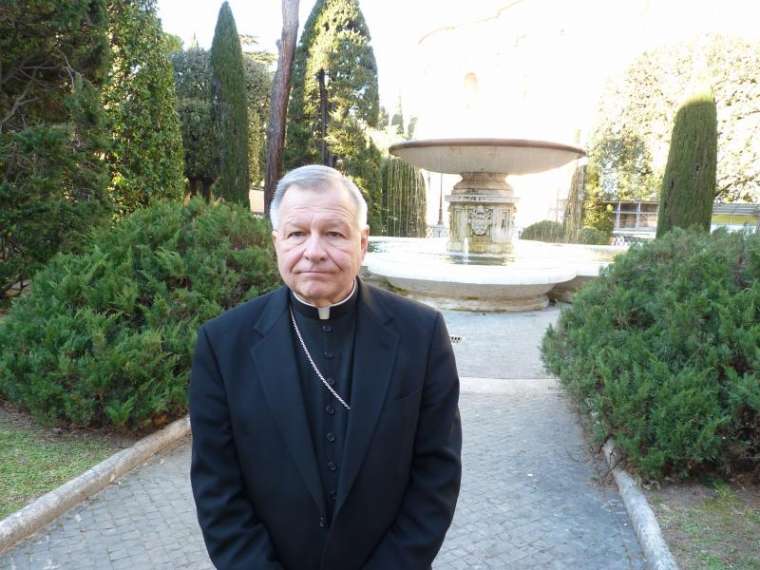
{"x": 508, "y": 156}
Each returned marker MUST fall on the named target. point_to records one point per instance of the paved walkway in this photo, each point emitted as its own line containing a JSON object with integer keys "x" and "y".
{"x": 530, "y": 496}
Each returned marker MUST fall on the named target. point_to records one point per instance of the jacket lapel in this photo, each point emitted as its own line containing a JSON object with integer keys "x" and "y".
{"x": 375, "y": 348}
{"x": 276, "y": 366}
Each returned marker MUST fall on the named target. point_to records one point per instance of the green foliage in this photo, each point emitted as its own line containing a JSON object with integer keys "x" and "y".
{"x": 365, "y": 169}
{"x": 593, "y": 236}
{"x": 573, "y": 216}
{"x": 688, "y": 187}
{"x": 664, "y": 351}
{"x": 335, "y": 42}
{"x": 53, "y": 60}
{"x": 230, "y": 109}
{"x": 192, "y": 81}
{"x": 43, "y": 46}
{"x": 596, "y": 214}
{"x": 146, "y": 158}
{"x": 106, "y": 337}
{"x": 258, "y": 79}
{"x": 403, "y": 199}
{"x": 545, "y": 230}
{"x": 630, "y": 141}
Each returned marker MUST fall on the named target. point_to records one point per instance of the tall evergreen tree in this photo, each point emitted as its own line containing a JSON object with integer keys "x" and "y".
{"x": 258, "y": 84}
{"x": 688, "y": 187}
{"x": 230, "y": 109}
{"x": 147, "y": 159}
{"x": 404, "y": 204}
{"x": 192, "y": 81}
{"x": 335, "y": 93}
{"x": 53, "y": 61}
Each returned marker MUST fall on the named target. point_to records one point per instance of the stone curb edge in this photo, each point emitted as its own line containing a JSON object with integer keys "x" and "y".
{"x": 31, "y": 518}
{"x": 656, "y": 551}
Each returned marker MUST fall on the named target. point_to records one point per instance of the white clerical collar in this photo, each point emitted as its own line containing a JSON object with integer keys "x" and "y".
{"x": 324, "y": 312}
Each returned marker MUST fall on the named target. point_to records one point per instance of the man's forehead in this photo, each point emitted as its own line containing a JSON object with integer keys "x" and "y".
{"x": 300, "y": 200}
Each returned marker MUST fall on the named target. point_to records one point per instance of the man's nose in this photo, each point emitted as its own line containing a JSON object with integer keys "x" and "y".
{"x": 314, "y": 249}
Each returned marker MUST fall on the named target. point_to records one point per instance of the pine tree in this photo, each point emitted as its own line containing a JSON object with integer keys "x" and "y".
{"x": 147, "y": 158}
{"x": 688, "y": 187}
{"x": 53, "y": 61}
{"x": 230, "y": 109}
{"x": 335, "y": 93}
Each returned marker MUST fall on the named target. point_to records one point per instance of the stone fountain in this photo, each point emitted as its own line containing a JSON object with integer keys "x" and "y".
{"x": 485, "y": 268}
{"x": 482, "y": 206}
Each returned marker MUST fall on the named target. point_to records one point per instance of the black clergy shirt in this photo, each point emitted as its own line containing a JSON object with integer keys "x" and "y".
{"x": 331, "y": 345}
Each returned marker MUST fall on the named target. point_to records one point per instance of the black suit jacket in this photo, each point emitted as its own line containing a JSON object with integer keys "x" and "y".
{"x": 254, "y": 474}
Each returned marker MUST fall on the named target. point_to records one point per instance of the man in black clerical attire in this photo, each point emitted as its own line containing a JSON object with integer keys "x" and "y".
{"x": 326, "y": 431}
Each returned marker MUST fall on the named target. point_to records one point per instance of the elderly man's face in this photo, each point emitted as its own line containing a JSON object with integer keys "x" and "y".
{"x": 319, "y": 245}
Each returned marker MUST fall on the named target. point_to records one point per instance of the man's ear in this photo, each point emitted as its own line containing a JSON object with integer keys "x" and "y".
{"x": 364, "y": 240}
{"x": 274, "y": 238}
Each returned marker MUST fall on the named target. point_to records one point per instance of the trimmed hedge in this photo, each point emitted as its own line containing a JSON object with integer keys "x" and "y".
{"x": 593, "y": 236}
{"x": 545, "y": 230}
{"x": 106, "y": 337}
{"x": 664, "y": 351}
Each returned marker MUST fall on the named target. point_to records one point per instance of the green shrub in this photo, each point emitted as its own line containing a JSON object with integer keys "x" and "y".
{"x": 545, "y": 230}
{"x": 664, "y": 351}
{"x": 106, "y": 337}
{"x": 593, "y": 236}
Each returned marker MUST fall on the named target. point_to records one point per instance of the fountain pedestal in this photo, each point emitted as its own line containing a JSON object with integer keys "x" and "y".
{"x": 481, "y": 214}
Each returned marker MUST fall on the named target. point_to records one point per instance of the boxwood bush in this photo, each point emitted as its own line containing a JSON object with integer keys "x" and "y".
{"x": 663, "y": 350}
{"x": 105, "y": 338}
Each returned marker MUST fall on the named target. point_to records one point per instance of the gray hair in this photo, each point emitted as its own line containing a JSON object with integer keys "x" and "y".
{"x": 318, "y": 178}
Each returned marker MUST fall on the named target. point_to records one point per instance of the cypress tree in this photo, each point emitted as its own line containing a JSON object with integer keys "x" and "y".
{"x": 688, "y": 187}
{"x": 230, "y": 109}
{"x": 335, "y": 93}
{"x": 403, "y": 199}
{"x": 147, "y": 157}
{"x": 192, "y": 80}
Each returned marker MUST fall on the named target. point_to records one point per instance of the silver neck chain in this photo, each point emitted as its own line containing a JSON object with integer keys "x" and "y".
{"x": 311, "y": 361}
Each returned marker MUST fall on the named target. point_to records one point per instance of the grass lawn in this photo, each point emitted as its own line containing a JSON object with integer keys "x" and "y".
{"x": 712, "y": 526}
{"x": 35, "y": 460}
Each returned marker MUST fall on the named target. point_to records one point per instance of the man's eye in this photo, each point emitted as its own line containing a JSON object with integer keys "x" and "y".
{"x": 295, "y": 234}
{"x": 334, "y": 234}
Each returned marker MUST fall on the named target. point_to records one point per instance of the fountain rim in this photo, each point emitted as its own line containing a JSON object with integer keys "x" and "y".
{"x": 493, "y": 142}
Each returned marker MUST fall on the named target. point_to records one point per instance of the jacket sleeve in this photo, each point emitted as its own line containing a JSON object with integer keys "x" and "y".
{"x": 234, "y": 537}
{"x": 430, "y": 498}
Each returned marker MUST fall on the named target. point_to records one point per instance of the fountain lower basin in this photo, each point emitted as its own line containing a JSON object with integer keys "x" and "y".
{"x": 522, "y": 281}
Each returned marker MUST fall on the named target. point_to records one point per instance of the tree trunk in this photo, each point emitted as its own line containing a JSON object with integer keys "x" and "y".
{"x": 278, "y": 106}
{"x": 323, "y": 117}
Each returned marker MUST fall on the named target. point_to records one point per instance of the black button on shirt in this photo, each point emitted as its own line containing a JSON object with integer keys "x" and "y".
{"x": 326, "y": 328}
{"x": 331, "y": 466}
{"x": 330, "y": 410}
{"x": 330, "y": 437}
